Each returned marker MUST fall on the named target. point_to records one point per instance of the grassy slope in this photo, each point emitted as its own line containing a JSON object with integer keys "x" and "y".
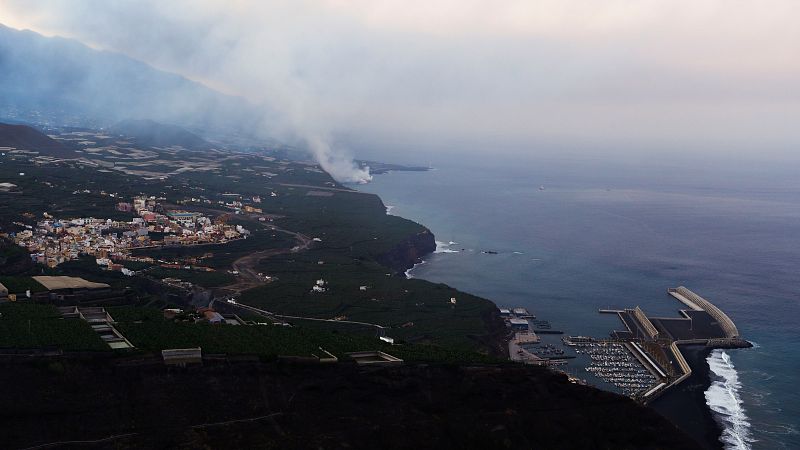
{"x": 33, "y": 326}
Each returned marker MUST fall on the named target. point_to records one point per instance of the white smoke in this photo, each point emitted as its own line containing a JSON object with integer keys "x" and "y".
{"x": 511, "y": 75}
{"x": 263, "y": 52}
{"x": 337, "y": 163}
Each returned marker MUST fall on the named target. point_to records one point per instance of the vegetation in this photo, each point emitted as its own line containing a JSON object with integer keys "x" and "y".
{"x": 414, "y": 310}
{"x": 351, "y": 229}
{"x": 13, "y": 258}
{"x": 29, "y": 326}
{"x": 18, "y": 285}
{"x": 148, "y": 330}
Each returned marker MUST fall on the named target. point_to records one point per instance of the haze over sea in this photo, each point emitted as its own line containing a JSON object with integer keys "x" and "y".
{"x": 574, "y": 235}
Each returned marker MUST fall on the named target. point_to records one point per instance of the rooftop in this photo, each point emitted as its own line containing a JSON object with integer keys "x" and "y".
{"x": 55, "y": 283}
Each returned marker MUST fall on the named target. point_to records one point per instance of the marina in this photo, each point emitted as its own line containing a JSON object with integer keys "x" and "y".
{"x": 643, "y": 359}
{"x": 547, "y": 351}
{"x": 613, "y": 363}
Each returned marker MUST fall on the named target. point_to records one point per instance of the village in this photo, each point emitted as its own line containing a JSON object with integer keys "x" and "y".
{"x": 54, "y": 241}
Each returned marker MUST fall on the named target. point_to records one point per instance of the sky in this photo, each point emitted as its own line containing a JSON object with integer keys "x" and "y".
{"x": 640, "y": 76}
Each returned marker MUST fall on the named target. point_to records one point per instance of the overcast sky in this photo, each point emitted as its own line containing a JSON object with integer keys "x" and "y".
{"x": 649, "y": 75}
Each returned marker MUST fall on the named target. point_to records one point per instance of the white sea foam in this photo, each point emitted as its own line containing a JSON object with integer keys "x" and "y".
{"x": 389, "y": 209}
{"x": 408, "y": 272}
{"x": 723, "y": 398}
{"x": 444, "y": 247}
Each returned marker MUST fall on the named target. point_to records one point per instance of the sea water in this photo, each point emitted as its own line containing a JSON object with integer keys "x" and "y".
{"x": 565, "y": 238}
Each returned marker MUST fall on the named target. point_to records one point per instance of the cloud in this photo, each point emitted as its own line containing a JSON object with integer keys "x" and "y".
{"x": 716, "y": 72}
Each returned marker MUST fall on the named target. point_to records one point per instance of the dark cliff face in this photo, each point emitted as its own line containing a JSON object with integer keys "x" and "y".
{"x": 409, "y": 251}
{"x": 256, "y": 405}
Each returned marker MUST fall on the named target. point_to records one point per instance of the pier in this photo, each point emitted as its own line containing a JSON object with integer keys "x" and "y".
{"x": 698, "y": 303}
{"x": 519, "y": 353}
{"x": 655, "y": 341}
{"x": 643, "y": 360}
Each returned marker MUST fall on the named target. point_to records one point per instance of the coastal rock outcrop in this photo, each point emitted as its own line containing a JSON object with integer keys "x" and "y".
{"x": 409, "y": 251}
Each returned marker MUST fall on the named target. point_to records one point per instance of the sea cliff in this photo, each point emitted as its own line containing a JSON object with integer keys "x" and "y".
{"x": 409, "y": 251}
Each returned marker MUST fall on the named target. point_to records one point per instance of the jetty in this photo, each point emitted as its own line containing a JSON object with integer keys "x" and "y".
{"x": 655, "y": 341}
{"x": 697, "y": 303}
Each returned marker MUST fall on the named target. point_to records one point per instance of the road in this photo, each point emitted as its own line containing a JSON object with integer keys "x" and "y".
{"x": 380, "y": 329}
{"x": 324, "y": 188}
{"x": 249, "y": 278}
{"x": 246, "y": 266}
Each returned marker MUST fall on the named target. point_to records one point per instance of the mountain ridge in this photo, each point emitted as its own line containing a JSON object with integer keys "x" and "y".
{"x": 24, "y": 137}
{"x": 58, "y": 77}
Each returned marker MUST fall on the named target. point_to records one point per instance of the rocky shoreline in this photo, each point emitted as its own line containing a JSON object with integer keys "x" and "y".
{"x": 409, "y": 252}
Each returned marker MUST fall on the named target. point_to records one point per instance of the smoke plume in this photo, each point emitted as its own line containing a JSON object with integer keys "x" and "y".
{"x": 655, "y": 77}
{"x": 337, "y": 163}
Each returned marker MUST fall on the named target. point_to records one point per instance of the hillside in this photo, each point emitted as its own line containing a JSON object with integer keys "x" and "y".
{"x": 26, "y": 138}
{"x": 154, "y": 134}
{"x": 274, "y": 405}
{"x": 63, "y": 81}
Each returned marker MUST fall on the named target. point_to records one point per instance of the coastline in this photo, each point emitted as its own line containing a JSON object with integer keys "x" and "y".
{"x": 685, "y": 405}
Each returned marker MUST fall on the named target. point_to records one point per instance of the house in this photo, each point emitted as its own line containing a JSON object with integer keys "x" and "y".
{"x": 375, "y": 358}
{"x": 213, "y": 317}
{"x": 182, "y": 356}
{"x": 519, "y": 324}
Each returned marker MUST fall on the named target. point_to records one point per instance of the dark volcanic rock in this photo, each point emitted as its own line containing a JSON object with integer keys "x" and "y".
{"x": 256, "y": 405}
{"x": 409, "y": 252}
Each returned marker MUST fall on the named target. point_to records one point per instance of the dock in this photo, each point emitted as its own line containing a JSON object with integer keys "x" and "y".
{"x": 655, "y": 341}
{"x": 518, "y": 353}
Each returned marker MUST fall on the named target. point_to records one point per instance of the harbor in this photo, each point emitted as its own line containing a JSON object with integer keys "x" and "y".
{"x": 526, "y": 345}
{"x": 642, "y": 359}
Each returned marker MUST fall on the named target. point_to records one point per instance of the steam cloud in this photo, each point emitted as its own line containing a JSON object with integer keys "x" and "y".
{"x": 655, "y": 77}
{"x": 336, "y": 163}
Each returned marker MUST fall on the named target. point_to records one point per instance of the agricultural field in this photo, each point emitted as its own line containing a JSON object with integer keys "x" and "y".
{"x": 351, "y": 232}
{"x": 29, "y": 326}
{"x": 414, "y": 310}
{"x": 148, "y": 330}
{"x": 19, "y": 285}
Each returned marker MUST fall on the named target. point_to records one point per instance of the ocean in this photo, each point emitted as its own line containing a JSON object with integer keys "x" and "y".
{"x": 566, "y": 237}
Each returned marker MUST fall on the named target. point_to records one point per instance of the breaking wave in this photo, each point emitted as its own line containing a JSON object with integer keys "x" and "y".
{"x": 408, "y": 272}
{"x": 389, "y": 209}
{"x": 444, "y": 247}
{"x": 723, "y": 398}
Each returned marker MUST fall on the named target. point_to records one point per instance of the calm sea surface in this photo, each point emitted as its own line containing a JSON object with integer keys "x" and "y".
{"x": 572, "y": 237}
